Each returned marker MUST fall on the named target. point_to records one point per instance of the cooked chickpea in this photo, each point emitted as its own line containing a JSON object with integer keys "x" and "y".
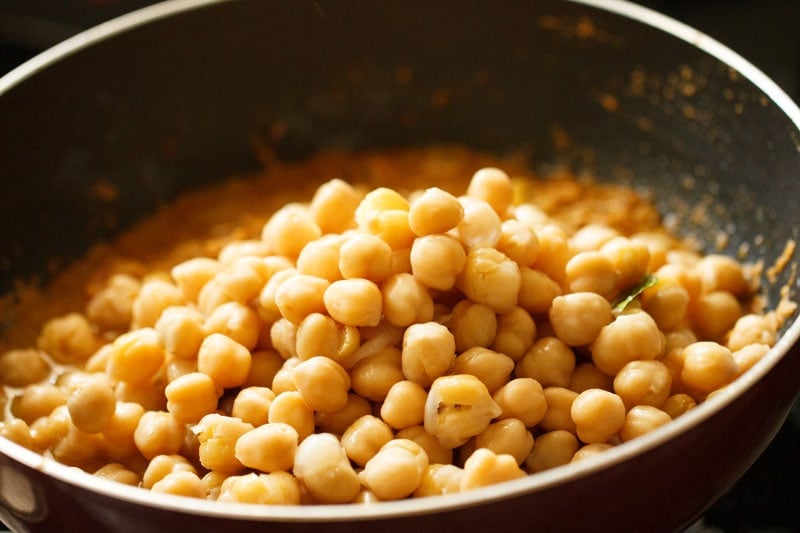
{"x": 319, "y": 334}
{"x": 354, "y": 302}
{"x": 429, "y": 350}
{"x": 554, "y": 252}
{"x": 406, "y": 301}
{"x": 643, "y": 383}
{"x": 68, "y": 339}
{"x": 552, "y": 449}
{"x": 191, "y": 396}
{"x": 322, "y": 466}
{"x": 251, "y": 405}
{"x": 490, "y": 278}
{"x": 591, "y": 450}
{"x": 161, "y": 466}
{"x": 153, "y": 297}
{"x": 180, "y": 331}
{"x": 550, "y": 361}
{"x": 752, "y": 329}
{"x": 373, "y": 376}
{"x": 158, "y": 433}
{"x": 587, "y": 376}
{"x": 485, "y": 467}
{"x": 224, "y": 360}
{"x": 36, "y": 401}
{"x": 480, "y": 227}
{"x": 472, "y": 324}
{"x": 629, "y": 337}
{"x": 322, "y": 383}
{"x": 592, "y": 237}
{"x": 642, "y": 419}
{"x": 264, "y": 364}
{"x": 493, "y": 186}
{"x": 365, "y": 437}
{"x": 333, "y": 206}
{"x": 111, "y": 307}
{"x": 707, "y": 366}
{"x": 435, "y": 211}
{"x": 283, "y": 338}
{"x": 269, "y": 448}
{"x": 217, "y": 435}
{"x": 749, "y": 355}
{"x": 301, "y": 295}
{"x": 117, "y": 472}
{"x": 290, "y": 408}
{"x": 365, "y": 256}
{"x": 191, "y": 275}
{"x": 338, "y": 422}
{"x": 440, "y": 478}
{"x": 136, "y": 357}
{"x": 578, "y": 317}
{"x": 491, "y": 367}
{"x": 678, "y": 404}
{"x": 507, "y": 436}
{"x": 436, "y": 260}
{"x": 559, "y": 406}
{"x": 276, "y": 488}
{"x": 598, "y": 415}
{"x": 714, "y": 313}
{"x": 120, "y": 431}
{"x": 180, "y": 483}
{"x": 236, "y": 321}
{"x": 722, "y": 273}
{"x": 22, "y": 367}
{"x": 289, "y": 229}
{"x": 591, "y": 271}
{"x": 630, "y": 259}
{"x": 433, "y": 448}
{"x": 91, "y": 405}
{"x": 523, "y": 399}
{"x": 395, "y": 472}
{"x": 536, "y": 291}
{"x": 518, "y": 241}
{"x": 404, "y": 405}
{"x": 516, "y": 332}
{"x": 267, "y": 306}
{"x": 458, "y": 407}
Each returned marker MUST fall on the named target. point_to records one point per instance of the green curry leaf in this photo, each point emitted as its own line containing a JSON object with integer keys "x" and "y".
{"x": 630, "y": 295}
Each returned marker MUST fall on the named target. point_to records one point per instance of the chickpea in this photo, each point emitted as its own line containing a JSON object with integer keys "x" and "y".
{"x": 300, "y": 295}
{"x": 180, "y": 483}
{"x": 395, "y": 472}
{"x": 518, "y": 241}
{"x": 643, "y": 383}
{"x": 592, "y": 237}
{"x": 319, "y": 334}
{"x": 269, "y": 448}
{"x": 678, "y": 404}
{"x": 276, "y": 488}
{"x": 264, "y": 364}
{"x": 251, "y": 405}
{"x": 550, "y": 361}
{"x": 290, "y": 408}
{"x": 507, "y": 436}
{"x": 629, "y": 337}
{"x": 707, "y": 366}
{"x": 630, "y": 259}
{"x": 714, "y": 313}
{"x": 322, "y": 466}
{"x": 440, "y": 478}
{"x": 559, "y": 409}
{"x": 267, "y": 306}
{"x": 119, "y": 433}
{"x": 338, "y": 422}
{"x": 236, "y": 321}
{"x": 490, "y": 278}
{"x": 161, "y": 466}
{"x": 749, "y": 355}
{"x": 642, "y": 419}
{"x": 117, "y": 472}
{"x": 472, "y": 324}
{"x": 587, "y": 376}
{"x": 428, "y": 352}
{"x": 752, "y": 329}
{"x": 354, "y": 302}
{"x": 158, "y": 433}
{"x": 68, "y": 339}
{"x": 598, "y": 415}
{"x": 384, "y": 212}
{"x": 333, "y": 206}
{"x": 18, "y": 431}
{"x": 493, "y": 186}
{"x": 191, "y": 275}
{"x": 404, "y": 405}
{"x": 365, "y": 256}
{"x": 136, "y": 357}
{"x": 722, "y": 273}
{"x": 217, "y": 435}
{"x": 516, "y": 332}
{"x": 433, "y": 448}
{"x": 667, "y": 302}
{"x": 323, "y": 383}
{"x": 191, "y": 396}
{"x": 153, "y": 297}
{"x": 458, "y": 407}
{"x": 591, "y": 450}
{"x": 436, "y": 260}
{"x": 578, "y": 317}
{"x": 435, "y": 211}
{"x": 552, "y": 449}
{"x": 485, "y": 467}
{"x": 224, "y": 360}
{"x": 365, "y": 436}
{"x": 320, "y": 258}
{"x": 591, "y": 271}
{"x": 491, "y": 367}
{"x": 111, "y": 307}
{"x": 373, "y": 376}
{"x": 180, "y": 330}
{"x": 91, "y": 405}
{"x": 289, "y": 229}
{"x": 406, "y": 301}
{"x": 22, "y": 367}
{"x": 283, "y": 338}
{"x": 537, "y": 291}
{"x": 36, "y": 401}
{"x": 480, "y": 227}
{"x": 523, "y": 399}
{"x": 554, "y": 252}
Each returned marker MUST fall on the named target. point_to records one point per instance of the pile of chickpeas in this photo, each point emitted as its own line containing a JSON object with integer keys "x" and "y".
{"x": 373, "y": 346}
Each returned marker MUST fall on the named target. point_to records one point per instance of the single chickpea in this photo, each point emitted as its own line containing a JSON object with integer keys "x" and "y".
{"x": 320, "y": 258}
{"x": 678, "y": 404}
{"x": 264, "y": 364}
{"x": 322, "y": 383}
{"x": 191, "y": 275}
{"x": 749, "y": 355}
{"x": 714, "y": 313}
{"x": 162, "y": 465}
{"x": 433, "y": 448}
{"x": 440, "y": 478}
{"x": 659, "y": 242}
{"x": 338, "y": 422}
{"x": 333, "y": 206}
{"x": 592, "y": 237}
{"x": 472, "y": 324}
{"x": 429, "y": 350}
{"x": 319, "y": 334}
{"x": 119, "y": 433}
{"x": 591, "y": 271}
{"x": 158, "y": 433}
{"x": 91, "y": 405}
{"x": 300, "y": 295}
{"x": 232, "y": 251}
{"x": 354, "y": 302}
{"x": 181, "y": 484}
{"x": 435, "y": 211}
{"x": 276, "y": 488}
{"x": 117, "y": 472}
{"x": 19, "y": 432}
{"x": 111, "y": 307}
{"x": 722, "y": 273}
{"x": 365, "y": 436}
{"x": 554, "y": 252}
{"x": 373, "y": 376}
{"x": 192, "y": 396}
{"x": 559, "y": 409}
{"x": 493, "y": 186}
{"x": 598, "y": 415}
{"x": 707, "y": 366}
{"x": 485, "y": 467}
{"x": 384, "y": 212}
{"x": 68, "y": 339}
{"x": 631, "y": 336}
{"x": 518, "y": 241}
{"x": 323, "y": 468}
{"x": 491, "y": 367}
{"x": 630, "y": 259}
{"x": 289, "y": 408}
{"x": 516, "y": 332}
{"x": 180, "y": 331}
{"x": 480, "y": 227}
{"x": 643, "y": 383}
{"x": 490, "y": 278}
{"x": 536, "y": 291}
{"x": 136, "y": 357}
{"x": 406, "y": 301}
{"x": 243, "y": 278}
{"x": 587, "y": 376}
{"x": 224, "y": 360}
{"x": 217, "y": 435}
{"x": 667, "y": 302}
{"x": 507, "y": 436}
{"x": 76, "y": 448}
{"x": 283, "y": 338}
{"x": 236, "y": 321}
{"x": 591, "y": 450}
{"x": 365, "y": 256}
{"x": 267, "y": 306}
{"x": 395, "y": 472}
{"x": 23, "y": 367}
{"x": 550, "y": 361}
{"x": 552, "y": 449}
{"x": 458, "y": 407}
{"x": 153, "y": 297}
{"x": 578, "y": 317}
{"x": 283, "y": 381}
{"x": 251, "y": 405}
{"x": 523, "y": 399}
{"x": 269, "y": 448}
{"x": 752, "y": 329}
{"x": 642, "y": 419}
{"x": 436, "y": 260}
{"x": 404, "y": 405}
{"x": 289, "y": 229}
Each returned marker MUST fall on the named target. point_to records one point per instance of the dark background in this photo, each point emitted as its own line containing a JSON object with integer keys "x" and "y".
{"x": 765, "y": 32}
